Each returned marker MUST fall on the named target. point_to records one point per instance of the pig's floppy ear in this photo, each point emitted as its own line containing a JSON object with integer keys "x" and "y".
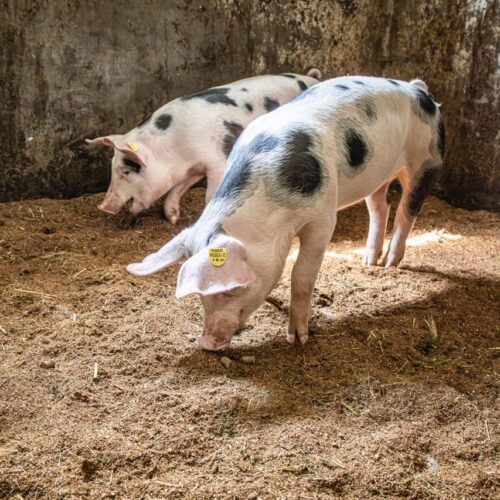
{"x": 199, "y": 275}
{"x": 167, "y": 255}
{"x": 105, "y": 140}
{"x": 131, "y": 149}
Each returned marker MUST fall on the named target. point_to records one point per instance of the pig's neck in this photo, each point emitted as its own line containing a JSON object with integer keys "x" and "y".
{"x": 267, "y": 245}
{"x": 173, "y": 174}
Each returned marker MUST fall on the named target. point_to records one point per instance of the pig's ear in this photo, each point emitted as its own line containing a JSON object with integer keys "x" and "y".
{"x": 199, "y": 275}
{"x": 105, "y": 140}
{"x": 171, "y": 253}
{"x": 131, "y": 149}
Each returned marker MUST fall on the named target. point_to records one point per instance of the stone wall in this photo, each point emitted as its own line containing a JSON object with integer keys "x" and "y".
{"x": 69, "y": 70}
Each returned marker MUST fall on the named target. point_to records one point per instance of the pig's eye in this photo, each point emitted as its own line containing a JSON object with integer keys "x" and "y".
{"x": 132, "y": 166}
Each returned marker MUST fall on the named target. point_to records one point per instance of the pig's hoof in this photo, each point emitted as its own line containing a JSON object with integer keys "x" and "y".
{"x": 303, "y": 337}
{"x": 290, "y": 338}
{"x": 172, "y": 215}
{"x": 371, "y": 258}
{"x": 391, "y": 261}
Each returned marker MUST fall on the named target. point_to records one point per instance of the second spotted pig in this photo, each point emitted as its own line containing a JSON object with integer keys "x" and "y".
{"x": 189, "y": 139}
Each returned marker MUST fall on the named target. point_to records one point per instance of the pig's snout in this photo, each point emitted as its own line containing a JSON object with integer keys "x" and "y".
{"x": 218, "y": 334}
{"x": 107, "y": 209}
{"x": 111, "y": 205}
{"x": 209, "y": 344}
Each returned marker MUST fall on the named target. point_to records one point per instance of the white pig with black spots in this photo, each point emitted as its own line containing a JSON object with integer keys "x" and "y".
{"x": 189, "y": 139}
{"x": 289, "y": 173}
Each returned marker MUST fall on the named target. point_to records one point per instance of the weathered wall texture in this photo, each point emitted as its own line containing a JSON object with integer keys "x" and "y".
{"x": 72, "y": 69}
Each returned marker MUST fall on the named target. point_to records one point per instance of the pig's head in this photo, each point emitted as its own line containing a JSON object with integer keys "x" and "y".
{"x": 229, "y": 292}
{"x": 132, "y": 175}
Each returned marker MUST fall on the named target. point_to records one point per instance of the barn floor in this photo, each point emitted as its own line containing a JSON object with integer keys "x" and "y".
{"x": 396, "y": 393}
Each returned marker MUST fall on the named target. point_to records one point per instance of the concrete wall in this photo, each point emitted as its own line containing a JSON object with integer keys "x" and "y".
{"x": 69, "y": 70}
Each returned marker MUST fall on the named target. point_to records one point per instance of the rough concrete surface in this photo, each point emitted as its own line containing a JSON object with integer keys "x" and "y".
{"x": 69, "y": 70}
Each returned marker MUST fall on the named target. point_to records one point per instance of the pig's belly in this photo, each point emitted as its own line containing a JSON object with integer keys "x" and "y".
{"x": 351, "y": 190}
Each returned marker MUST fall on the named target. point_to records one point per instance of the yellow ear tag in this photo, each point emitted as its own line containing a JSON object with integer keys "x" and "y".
{"x": 132, "y": 146}
{"x": 217, "y": 256}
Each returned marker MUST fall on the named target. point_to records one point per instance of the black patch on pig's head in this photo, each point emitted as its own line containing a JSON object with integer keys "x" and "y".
{"x": 441, "y": 138}
{"x": 241, "y": 166}
{"x": 213, "y": 96}
{"x": 145, "y": 120}
{"x": 234, "y": 130}
{"x": 249, "y": 107}
{"x": 289, "y": 75}
{"x": 270, "y": 103}
{"x": 426, "y": 102}
{"x": 299, "y": 170}
{"x": 393, "y": 82}
{"x": 359, "y": 82}
{"x": 163, "y": 121}
{"x": 302, "y": 85}
{"x": 134, "y": 166}
{"x": 341, "y": 87}
{"x": 355, "y": 147}
{"x": 243, "y": 89}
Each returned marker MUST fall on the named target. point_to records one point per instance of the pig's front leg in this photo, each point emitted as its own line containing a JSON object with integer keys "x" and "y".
{"x": 378, "y": 208}
{"x": 171, "y": 207}
{"x": 313, "y": 242}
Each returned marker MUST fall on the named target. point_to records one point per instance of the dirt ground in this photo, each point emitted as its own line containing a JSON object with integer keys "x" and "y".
{"x": 104, "y": 392}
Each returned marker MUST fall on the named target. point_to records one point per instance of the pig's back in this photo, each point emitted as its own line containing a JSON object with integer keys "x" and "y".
{"x": 354, "y": 130}
{"x": 205, "y": 125}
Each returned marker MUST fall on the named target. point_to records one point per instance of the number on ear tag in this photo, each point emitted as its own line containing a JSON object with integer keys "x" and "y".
{"x": 217, "y": 256}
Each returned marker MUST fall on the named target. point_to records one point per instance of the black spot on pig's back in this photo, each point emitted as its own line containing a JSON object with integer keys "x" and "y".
{"x": 302, "y": 85}
{"x": 270, "y": 104}
{"x": 299, "y": 171}
{"x": 216, "y": 95}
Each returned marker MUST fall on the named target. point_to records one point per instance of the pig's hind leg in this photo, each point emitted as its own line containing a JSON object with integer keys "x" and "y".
{"x": 314, "y": 239}
{"x": 415, "y": 188}
{"x": 171, "y": 206}
{"x": 378, "y": 208}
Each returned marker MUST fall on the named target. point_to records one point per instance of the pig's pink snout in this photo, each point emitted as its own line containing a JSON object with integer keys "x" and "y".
{"x": 207, "y": 343}
{"x": 107, "y": 209}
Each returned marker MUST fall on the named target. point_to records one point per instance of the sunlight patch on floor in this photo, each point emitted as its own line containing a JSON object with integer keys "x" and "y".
{"x": 418, "y": 240}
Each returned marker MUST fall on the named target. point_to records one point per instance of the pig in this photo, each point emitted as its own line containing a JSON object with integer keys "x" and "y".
{"x": 189, "y": 139}
{"x": 289, "y": 173}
